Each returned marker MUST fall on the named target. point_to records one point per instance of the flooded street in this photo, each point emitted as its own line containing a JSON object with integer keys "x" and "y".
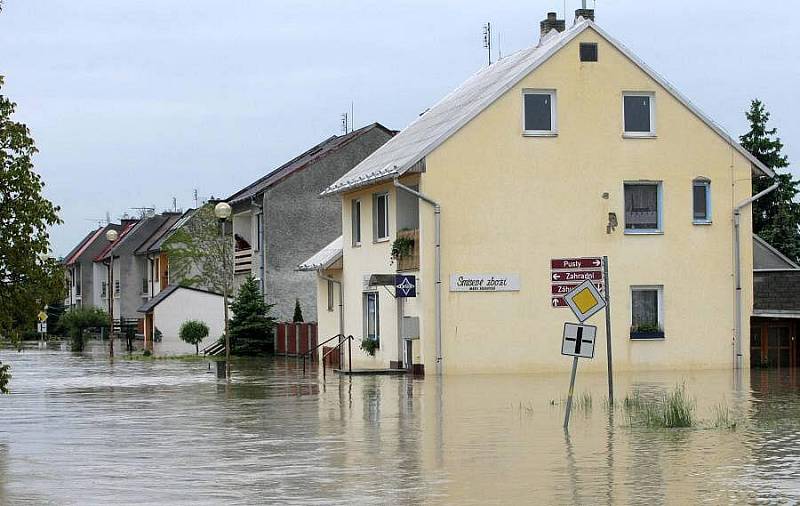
{"x": 78, "y": 430}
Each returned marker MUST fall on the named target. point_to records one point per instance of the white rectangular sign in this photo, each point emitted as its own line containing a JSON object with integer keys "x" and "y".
{"x": 578, "y": 340}
{"x": 484, "y": 282}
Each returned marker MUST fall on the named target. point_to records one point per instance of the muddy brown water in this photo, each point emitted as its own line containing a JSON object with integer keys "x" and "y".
{"x": 78, "y": 429}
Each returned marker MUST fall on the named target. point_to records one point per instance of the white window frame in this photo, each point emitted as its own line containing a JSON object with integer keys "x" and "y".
{"x": 705, "y": 182}
{"x": 640, "y": 135}
{"x": 355, "y": 222}
{"x": 660, "y": 196}
{"x": 553, "y": 114}
{"x": 375, "y": 236}
{"x": 660, "y": 301}
{"x": 365, "y": 309}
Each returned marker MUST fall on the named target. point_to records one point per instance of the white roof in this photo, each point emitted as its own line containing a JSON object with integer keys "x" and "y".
{"x": 455, "y": 110}
{"x": 323, "y": 258}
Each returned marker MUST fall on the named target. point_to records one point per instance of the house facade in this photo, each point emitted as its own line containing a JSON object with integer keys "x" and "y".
{"x": 280, "y": 219}
{"x": 85, "y": 282}
{"x": 572, "y": 148}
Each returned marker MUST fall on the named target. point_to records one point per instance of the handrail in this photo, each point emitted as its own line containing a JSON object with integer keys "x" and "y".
{"x": 315, "y": 348}
{"x": 349, "y": 340}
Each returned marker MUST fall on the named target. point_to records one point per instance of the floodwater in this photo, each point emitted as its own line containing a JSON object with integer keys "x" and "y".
{"x": 80, "y": 430}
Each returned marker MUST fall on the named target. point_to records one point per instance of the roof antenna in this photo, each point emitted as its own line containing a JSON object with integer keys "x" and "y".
{"x": 352, "y": 115}
{"x": 487, "y": 39}
{"x": 344, "y": 122}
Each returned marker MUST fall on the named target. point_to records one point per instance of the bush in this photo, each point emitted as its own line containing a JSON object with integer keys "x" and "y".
{"x": 369, "y": 346}
{"x": 77, "y": 320}
{"x": 192, "y": 332}
{"x": 5, "y": 376}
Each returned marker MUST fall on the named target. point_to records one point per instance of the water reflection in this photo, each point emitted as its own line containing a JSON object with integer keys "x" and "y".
{"x": 78, "y": 430}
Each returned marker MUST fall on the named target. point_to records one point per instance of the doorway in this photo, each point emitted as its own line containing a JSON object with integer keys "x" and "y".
{"x": 773, "y": 344}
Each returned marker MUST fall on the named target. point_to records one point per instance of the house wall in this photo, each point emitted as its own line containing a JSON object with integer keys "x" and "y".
{"x": 299, "y": 223}
{"x": 511, "y": 203}
{"x": 185, "y": 305}
{"x": 328, "y": 319}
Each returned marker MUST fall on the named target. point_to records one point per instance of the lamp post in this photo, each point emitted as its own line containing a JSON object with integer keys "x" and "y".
{"x": 223, "y": 211}
{"x": 111, "y": 236}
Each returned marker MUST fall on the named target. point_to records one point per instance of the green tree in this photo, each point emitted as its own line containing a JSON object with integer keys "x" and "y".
{"x": 76, "y": 321}
{"x": 5, "y": 376}
{"x": 776, "y": 216}
{"x": 197, "y": 254}
{"x": 192, "y": 332}
{"x": 298, "y": 312}
{"x": 29, "y": 277}
{"x": 251, "y": 326}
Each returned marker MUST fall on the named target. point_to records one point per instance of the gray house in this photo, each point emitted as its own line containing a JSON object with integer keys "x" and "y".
{"x": 83, "y": 288}
{"x": 280, "y": 219}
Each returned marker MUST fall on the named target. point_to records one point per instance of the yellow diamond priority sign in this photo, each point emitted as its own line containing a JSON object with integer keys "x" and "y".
{"x": 584, "y": 300}
{"x": 42, "y": 316}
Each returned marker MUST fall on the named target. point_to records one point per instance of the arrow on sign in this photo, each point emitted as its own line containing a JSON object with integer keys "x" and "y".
{"x": 556, "y": 276}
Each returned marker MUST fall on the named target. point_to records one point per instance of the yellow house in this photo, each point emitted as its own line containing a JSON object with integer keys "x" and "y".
{"x": 571, "y": 149}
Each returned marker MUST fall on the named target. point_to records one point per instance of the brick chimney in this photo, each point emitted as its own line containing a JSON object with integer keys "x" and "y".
{"x": 585, "y": 14}
{"x": 552, "y": 22}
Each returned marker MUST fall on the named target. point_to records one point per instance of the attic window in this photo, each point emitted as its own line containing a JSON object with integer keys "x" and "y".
{"x": 539, "y": 112}
{"x": 588, "y": 51}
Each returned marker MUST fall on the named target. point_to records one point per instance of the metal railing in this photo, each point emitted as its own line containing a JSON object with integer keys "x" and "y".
{"x": 342, "y": 339}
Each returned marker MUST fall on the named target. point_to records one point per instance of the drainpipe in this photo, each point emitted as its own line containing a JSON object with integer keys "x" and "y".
{"x": 437, "y": 216}
{"x": 738, "y": 271}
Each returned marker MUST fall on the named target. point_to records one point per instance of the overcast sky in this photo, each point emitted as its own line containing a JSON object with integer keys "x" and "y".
{"x": 134, "y": 103}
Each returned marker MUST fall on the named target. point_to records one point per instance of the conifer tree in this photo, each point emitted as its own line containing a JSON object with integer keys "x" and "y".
{"x": 298, "y": 312}
{"x": 251, "y": 325}
{"x": 776, "y": 216}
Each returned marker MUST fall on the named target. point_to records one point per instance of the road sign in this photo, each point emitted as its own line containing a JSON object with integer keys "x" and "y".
{"x": 584, "y": 300}
{"x": 566, "y": 273}
{"x": 42, "y": 316}
{"x": 42, "y": 328}
{"x": 578, "y": 340}
{"x": 576, "y": 263}
{"x": 405, "y": 286}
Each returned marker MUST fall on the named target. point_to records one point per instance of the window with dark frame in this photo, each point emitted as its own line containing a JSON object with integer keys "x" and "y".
{"x": 701, "y": 201}
{"x": 588, "y": 51}
{"x": 380, "y": 216}
{"x": 638, "y": 114}
{"x": 356, "y": 219}
{"x": 372, "y": 316}
{"x": 642, "y": 207}
{"x": 539, "y": 111}
{"x": 330, "y": 295}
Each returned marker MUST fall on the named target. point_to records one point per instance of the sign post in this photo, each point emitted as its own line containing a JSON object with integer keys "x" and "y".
{"x": 578, "y": 342}
{"x": 608, "y": 334}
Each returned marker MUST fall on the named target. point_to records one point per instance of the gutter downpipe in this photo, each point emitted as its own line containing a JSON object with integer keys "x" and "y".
{"x": 737, "y": 364}
{"x": 341, "y": 311}
{"x": 437, "y": 216}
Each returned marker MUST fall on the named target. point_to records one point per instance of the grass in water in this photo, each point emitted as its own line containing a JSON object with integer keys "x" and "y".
{"x": 723, "y": 418}
{"x": 673, "y": 409}
{"x": 580, "y": 402}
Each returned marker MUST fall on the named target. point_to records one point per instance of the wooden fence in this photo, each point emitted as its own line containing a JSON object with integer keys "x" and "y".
{"x": 295, "y": 338}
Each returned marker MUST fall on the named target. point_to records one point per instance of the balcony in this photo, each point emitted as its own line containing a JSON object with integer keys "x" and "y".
{"x": 243, "y": 261}
{"x": 410, "y": 260}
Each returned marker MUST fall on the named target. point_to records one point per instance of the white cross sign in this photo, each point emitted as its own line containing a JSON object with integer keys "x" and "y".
{"x": 578, "y": 340}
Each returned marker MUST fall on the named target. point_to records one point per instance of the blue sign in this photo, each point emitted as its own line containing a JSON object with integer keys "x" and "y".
{"x": 405, "y": 286}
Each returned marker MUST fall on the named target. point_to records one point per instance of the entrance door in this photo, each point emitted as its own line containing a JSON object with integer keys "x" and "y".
{"x": 772, "y": 345}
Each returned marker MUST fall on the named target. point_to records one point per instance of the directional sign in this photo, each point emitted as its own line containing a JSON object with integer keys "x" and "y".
{"x": 42, "y": 316}
{"x": 578, "y": 340}
{"x": 42, "y": 328}
{"x": 584, "y": 300}
{"x": 567, "y": 273}
{"x": 405, "y": 286}
{"x": 576, "y": 263}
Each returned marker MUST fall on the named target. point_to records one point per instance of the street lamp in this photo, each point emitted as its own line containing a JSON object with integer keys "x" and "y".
{"x": 112, "y": 236}
{"x": 223, "y": 211}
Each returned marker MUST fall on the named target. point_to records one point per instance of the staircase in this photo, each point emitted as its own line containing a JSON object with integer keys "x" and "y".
{"x": 217, "y": 348}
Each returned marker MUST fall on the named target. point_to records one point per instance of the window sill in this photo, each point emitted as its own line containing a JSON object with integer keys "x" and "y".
{"x": 644, "y": 232}
{"x": 633, "y": 135}
{"x": 647, "y": 336}
{"x": 356, "y": 245}
{"x": 539, "y": 134}
{"x": 378, "y": 241}
{"x": 702, "y": 222}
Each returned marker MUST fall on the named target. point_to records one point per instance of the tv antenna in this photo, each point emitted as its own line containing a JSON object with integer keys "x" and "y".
{"x": 487, "y": 40}
{"x": 345, "y": 122}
